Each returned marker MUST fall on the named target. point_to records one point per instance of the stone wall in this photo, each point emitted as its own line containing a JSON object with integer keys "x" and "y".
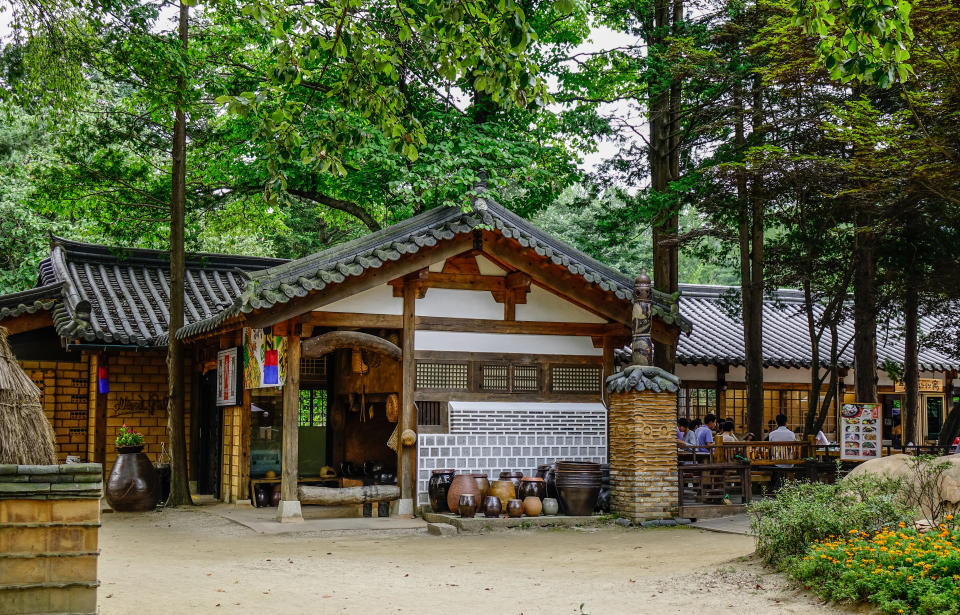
{"x": 49, "y": 532}
{"x": 643, "y": 455}
{"x": 492, "y": 437}
{"x": 66, "y": 402}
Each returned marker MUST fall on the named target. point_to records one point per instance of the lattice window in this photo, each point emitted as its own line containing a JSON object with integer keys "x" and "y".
{"x": 314, "y": 368}
{"x": 445, "y": 376}
{"x": 526, "y": 378}
{"x": 575, "y": 379}
{"x": 313, "y": 408}
{"x": 495, "y": 377}
{"x": 694, "y": 402}
{"x": 429, "y": 413}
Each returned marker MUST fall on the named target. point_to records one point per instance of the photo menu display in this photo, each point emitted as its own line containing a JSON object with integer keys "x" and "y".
{"x": 860, "y": 431}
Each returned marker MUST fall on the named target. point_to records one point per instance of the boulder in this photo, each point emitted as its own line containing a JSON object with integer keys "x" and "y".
{"x": 897, "y": 466}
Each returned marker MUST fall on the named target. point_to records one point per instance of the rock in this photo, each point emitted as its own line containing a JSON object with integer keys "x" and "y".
{"x": 622, "y": 522}
{"x": 668, "y": 522}
{"x": 653, "y": 523}
{"x": 897, "y": 466}
{"x": 441, "y": 529}
{"x": 682, "y": 521}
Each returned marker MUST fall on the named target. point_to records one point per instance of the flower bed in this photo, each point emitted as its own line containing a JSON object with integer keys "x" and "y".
{"x": 899, "y": 570}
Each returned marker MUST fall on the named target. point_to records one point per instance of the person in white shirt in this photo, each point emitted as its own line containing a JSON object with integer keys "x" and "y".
{"x": 726, "y": 430}
{"x": 782, "y": 434}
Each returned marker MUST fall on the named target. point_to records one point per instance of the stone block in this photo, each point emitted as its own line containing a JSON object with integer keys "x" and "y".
{"x": 7, "y": 489}
{"x": 24, "y": 469}
{"x": 8, "y": 468}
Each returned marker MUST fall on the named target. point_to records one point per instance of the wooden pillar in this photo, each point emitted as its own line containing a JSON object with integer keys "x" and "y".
{"x": 720, "y": 390}
{"x": 609, "y": 361}
{"x": 100, "y": 420}
{"x": 289, "y": 509}
{"x": 408, "y": 418}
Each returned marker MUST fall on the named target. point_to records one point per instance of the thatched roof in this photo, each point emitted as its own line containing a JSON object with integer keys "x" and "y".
{"x": 26, "y": 436}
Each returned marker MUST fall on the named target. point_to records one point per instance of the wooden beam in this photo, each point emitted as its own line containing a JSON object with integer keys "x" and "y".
{"x": 507, "y": 357}
{"x": 549, "y": 275}
{"x": 408, "y": 415}
{"x": 328, "y": 342}
{"x": 367, "y": 280}
{"x": 28, "y": 322}
{"x": 291, "y": 421}
{"x": 465, "y": 325}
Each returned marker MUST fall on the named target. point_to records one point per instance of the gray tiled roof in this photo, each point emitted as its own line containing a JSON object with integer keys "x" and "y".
{"x": 104, "y": 295}
{"x": 297, "y": 278}
{"x": 717, "y": 338}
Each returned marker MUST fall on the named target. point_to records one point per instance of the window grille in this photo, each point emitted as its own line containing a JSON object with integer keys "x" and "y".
{"x": 526, "y": 378}
{"x": 693, "y": 402}
{"x": 429, "y": 413}
{"x": 447, "y": 376}
{"x": 314, "y": 368}
{"x": 495, "y": 377}
{"x": 313, "y": 408}
{"x": 575, "y": 379}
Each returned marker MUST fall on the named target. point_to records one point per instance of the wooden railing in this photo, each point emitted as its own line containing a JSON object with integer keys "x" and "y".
{"x": 753, "y": 453}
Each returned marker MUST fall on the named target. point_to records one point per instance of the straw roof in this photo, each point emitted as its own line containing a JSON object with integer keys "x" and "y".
{"x": 26, "y": 436}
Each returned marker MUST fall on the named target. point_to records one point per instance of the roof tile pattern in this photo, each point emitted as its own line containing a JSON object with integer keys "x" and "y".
{"x": 717, "y": 337}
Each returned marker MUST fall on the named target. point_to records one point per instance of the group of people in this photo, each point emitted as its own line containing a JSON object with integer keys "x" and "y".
{"x": 697, "y": 433}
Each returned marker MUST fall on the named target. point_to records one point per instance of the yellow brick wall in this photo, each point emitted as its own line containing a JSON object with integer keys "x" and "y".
{"x": 138, "y": 399}
{"x": 230, "y": 468}
{"x": 66, "y": 402}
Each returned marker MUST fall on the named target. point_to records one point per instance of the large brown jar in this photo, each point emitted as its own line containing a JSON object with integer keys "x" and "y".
{"x": 462, "y": 483}
{"x": 133, "y": 485}
{"x": 437, "y": 489}
{"x": 532, "y": 486}
{"x": 483, "y": 483}
{"x": 504, "y": 490}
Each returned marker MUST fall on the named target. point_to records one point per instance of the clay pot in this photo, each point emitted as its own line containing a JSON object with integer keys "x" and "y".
{"x": 437, "y": 489}
{"x": 461, "y": 484}
{"x": 532, "y": 506}
{"x": 579, "y": 500}
{"x": 133, "y": 485}
{"x": 492, "y": 506}
{"x": 275, "y": 498}
{"x": 513, "y": 477}
{"x": 483, "y": 483}
{"x": 504, "y": 490}
{"x": 532, "y": 486}
{"x": 515, "y": 508}
{"x": 260, "y": 496}
{"x": 467, "y": 505}
{"x": 550, "y": 506}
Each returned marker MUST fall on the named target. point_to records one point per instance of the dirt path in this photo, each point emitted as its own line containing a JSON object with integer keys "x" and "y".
{"x": 193, "y": 562}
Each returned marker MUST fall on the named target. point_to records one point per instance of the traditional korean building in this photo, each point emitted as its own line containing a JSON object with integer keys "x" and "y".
{"x": 470, "y": 340}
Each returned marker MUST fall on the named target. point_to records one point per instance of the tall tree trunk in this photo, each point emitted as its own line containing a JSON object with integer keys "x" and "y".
{"x": 179, "y": 487}
{"x": 664, "y": 107}
{"x": 911, "y": 364}
{"x": 864, "y": 309}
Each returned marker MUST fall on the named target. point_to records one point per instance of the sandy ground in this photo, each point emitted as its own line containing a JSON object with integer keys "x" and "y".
{"x": 189, "y": 561}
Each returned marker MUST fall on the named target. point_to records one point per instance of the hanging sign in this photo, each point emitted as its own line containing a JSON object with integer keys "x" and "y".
{"x": 860, "y": 431}
{"x": 924, "y": 385}
{"x": 264, "y": 359}
{"x": 227, "y": 376}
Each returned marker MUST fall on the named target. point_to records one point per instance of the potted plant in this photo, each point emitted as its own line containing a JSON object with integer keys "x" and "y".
{"x": 133, "y": 485}
{"x": 129, "y": 441}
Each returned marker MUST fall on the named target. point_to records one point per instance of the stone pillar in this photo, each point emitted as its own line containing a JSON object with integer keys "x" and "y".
{"x": 49, "y": 532}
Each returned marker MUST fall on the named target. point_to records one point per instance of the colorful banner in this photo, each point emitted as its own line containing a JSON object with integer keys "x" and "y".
{"x": 860, "y": 432}
{"x": 264, "y": 359}
{"x": 227, "y": 371}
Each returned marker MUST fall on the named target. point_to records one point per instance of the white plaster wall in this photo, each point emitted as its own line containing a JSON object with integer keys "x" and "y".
{"x": 376, "y": 300}
{"x": 516, "y": 344}
{"x": 488, "y": 267}
{"x": 543, "y": 305}
{"x": 452, "y": 303}
{"x": 697, "y": 372}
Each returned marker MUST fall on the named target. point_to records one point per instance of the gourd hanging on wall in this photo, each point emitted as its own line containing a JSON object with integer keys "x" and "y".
{"x": 393, "y": 407}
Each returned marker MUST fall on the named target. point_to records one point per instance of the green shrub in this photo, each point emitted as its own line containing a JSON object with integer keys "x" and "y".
{"x": 803, "y": 513}
{"x": 899, "y": 570}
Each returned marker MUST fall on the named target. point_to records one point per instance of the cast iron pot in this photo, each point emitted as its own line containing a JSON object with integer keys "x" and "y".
{"x": 133, "y": 485}
{"x": 437, "y": 489}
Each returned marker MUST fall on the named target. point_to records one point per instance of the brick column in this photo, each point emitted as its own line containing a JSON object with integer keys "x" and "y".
{"x": 643, "y": 454}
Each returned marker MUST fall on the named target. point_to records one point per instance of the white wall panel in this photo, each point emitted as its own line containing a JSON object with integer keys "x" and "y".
{"x": 492, "y": 342}
{"x": 546, "y": 306}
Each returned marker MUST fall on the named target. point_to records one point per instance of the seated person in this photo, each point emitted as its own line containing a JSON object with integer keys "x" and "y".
{"x": 782, "y": 434}
{"x": 726, "y": 430}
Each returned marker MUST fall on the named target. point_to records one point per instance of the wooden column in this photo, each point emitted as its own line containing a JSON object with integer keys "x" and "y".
{"x": 608, "y": 362}
{"x": 720, "y": 390}
{"x": 289, "y": 509}
{"x": 408, "y": 417}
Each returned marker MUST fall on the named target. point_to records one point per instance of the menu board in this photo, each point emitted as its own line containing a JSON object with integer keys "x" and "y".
{"x": 227, "y": 377}
{"x": 860, "y": 431}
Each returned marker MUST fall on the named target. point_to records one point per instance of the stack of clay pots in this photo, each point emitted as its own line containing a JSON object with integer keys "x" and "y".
{"x": 578, "y": 485}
